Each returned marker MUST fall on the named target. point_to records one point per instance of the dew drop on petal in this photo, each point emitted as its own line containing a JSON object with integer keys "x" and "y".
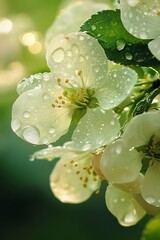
{"x": 26, "y": 114}
{"x": 118, "y": 149}
{"x": 31, "y": 134}
{"x": 15, "y": 124}
{"x": 150, "y": 199}
{"x": 96, "y": 69}
{"x": 75, "y": 49}
{"x": 132, "y": 3}
{"x": 51, "y": 130}
{"x": 120, "y": 43}
{"x": 58, "y": 55}
{"x": 143, "y": 35}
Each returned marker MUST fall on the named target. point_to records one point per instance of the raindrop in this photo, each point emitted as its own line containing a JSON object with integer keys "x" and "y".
{"x": 81, "y": 58}
{"x": 112, "y": 122}
{"x": 122, "y": 199}
{"x": 96, "y": 69}
{"x": 15, "y": 124}
{"x": 51, "y": 130}
{"x": 86, "y": 147}
{"x": 26, "y": 114}
{"x": 31, "y": 134}
{"x": 118, "y": 149}
{"x": 130, "y": 14}
{"x": 69, "y": 53}
{"x": 46, "y": 77}
{"x": 132, "y": 3}
{"x": 129, "y": 218}
{"x": 93, "y": 27}
{"x": 58, "y": 55}
{"x": 150, "y": 199}
{"x": 81, "y": 37}
{"x": 143, "y": 35}
{"x": 128, "y": 56}
{"x": 75, "y": 49}
{"x": 98, "y": 35}
{"x": 139, "y": 57}
{"x": 120, "y": 43}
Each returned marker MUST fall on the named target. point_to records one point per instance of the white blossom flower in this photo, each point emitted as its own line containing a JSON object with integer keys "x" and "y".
{"x": 141, "y": 18}
{"x": 73, "y": 179}
{"x": 78, "y": 81}
{"x": 137, "y": 151}
{"x": 123, "y": 206}
{"x": 71, "y": 18}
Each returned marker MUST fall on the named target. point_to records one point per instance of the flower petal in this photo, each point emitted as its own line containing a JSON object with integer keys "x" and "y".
{"x": 150, "y": 186}
{"x": 140, "y": 129}
{"x": 123, "y": 206}
{"x": 56, "y": 152}
{"x": 119, "y": 164}
{"x": 117, "y": 87}
{"x": 35, "y": 120}
{"x": 95, "y": 129}
{"x": 76, "y": 14}
{"x": 73, "y": 181}
{"x": 141, "y": 19}
{"x": 154, "y": 47}
{"x": 77, "y": 58}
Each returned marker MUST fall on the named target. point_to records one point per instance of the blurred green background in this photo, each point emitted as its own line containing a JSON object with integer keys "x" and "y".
{"x": 28, "y": 210}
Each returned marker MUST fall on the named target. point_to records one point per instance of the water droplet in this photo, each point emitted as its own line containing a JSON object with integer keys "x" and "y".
{"x": 112, "y": 122}
{"x": 69, "y": 53}
{"x": 46, "y": 77}
{"x": 81, "y": 37}
{"x": 122, "y": 199}
{"x": 26, "y": 114}
{"x": 120, "y": 43}
{"x": 51, "y": 130}
{"x": 81, "y": 58}
{"x": 130, "y": 14}
{"x": 93, "y": 27}
{"x": 139, "y": 57}
{"x": 31, "y": 134}
{"x": 96, "y": 69}
{"x": 115, "y": 200}
{"x": 150, "y": 199}
{"x": 132, "y": 3}
{"x": 58, "y": 55}
{"x": 143, "y": 35}
{"x": 75, "y": 49}
{"x": 86, "y": 147}
{"x": 129, "y": 218}
{"x": 98, "y": 35}
{"x": 118, "y": 149}
{"x": 128, "y": 56}
{"x": 15, "y": 124}
{"x": 45, "y": 97}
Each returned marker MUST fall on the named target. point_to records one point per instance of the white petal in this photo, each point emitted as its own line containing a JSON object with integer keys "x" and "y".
{"x": 35, "y": 120}
{"x": 74, "y": 181}
{"x": 141, "y": 20}
{"x": 123, "y": 206}
{"x": 154, "y": 47}
{"x": 56, "y": 152}
{"x": 151, "y": 183}
{"x": 95, "y": 129}
{"x": 72, "y": 18}
{"x": 117, "y": 87}
{"x": 140, "y": 129}
{"x": 119, "y": 164}
{"x": 78, "y": 58}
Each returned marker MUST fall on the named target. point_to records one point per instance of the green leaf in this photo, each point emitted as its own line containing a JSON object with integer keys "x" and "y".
{"x": 119, "y": 45}
{"x": 151, "y": 231}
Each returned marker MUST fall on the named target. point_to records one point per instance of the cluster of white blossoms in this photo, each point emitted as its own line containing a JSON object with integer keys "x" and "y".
{"x": 81, "y": 92}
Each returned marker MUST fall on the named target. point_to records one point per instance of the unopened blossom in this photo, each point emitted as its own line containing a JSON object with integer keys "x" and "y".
{"x": 137, "y": 151}
{"x": 73, "y": 179}
{"x": 78, "y": 85}
{"x": 141, "y": 18}
{"x": 71, "y": 18}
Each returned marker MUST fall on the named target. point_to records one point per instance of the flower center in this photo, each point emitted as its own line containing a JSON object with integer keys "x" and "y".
{"x": 77, "y": 97}
{"x": 150, "y": 151}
